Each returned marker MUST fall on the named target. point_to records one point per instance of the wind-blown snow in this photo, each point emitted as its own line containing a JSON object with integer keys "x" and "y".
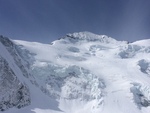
{"x": 87, "y": 73}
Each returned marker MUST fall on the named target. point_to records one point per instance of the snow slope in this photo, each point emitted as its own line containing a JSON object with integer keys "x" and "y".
{"x": 85, "y": 73}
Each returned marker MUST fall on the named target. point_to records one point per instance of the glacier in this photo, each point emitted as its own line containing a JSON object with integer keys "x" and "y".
{"x": 78, "y": 73}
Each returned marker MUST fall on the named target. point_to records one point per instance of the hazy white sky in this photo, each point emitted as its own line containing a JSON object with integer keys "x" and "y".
{"x": 48, "y": 20}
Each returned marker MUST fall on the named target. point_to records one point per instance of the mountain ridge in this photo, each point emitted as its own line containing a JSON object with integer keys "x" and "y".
{"x": 81, "y": 72}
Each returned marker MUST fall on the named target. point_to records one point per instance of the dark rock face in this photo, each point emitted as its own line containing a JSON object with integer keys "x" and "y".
{"x": 13, "y": 93}
{"x": 12, "y": 49}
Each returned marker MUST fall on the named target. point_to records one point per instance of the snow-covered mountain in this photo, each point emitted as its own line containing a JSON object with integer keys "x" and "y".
{"x": 79, "y": 73}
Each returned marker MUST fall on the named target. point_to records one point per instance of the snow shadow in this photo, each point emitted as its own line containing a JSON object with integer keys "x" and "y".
{"x": 141, "y": 95}
{"x": 144, "y": 66}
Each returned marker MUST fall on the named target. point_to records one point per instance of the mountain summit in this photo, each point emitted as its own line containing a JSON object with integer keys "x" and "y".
{"x": 90, "y": 37}
{"x": 79, "y": 73}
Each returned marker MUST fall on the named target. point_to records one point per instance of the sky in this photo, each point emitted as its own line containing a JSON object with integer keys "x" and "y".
{"x": 47, "y": 20}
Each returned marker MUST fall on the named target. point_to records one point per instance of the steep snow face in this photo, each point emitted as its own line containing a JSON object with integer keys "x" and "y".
{"x": 85, "y": 73}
